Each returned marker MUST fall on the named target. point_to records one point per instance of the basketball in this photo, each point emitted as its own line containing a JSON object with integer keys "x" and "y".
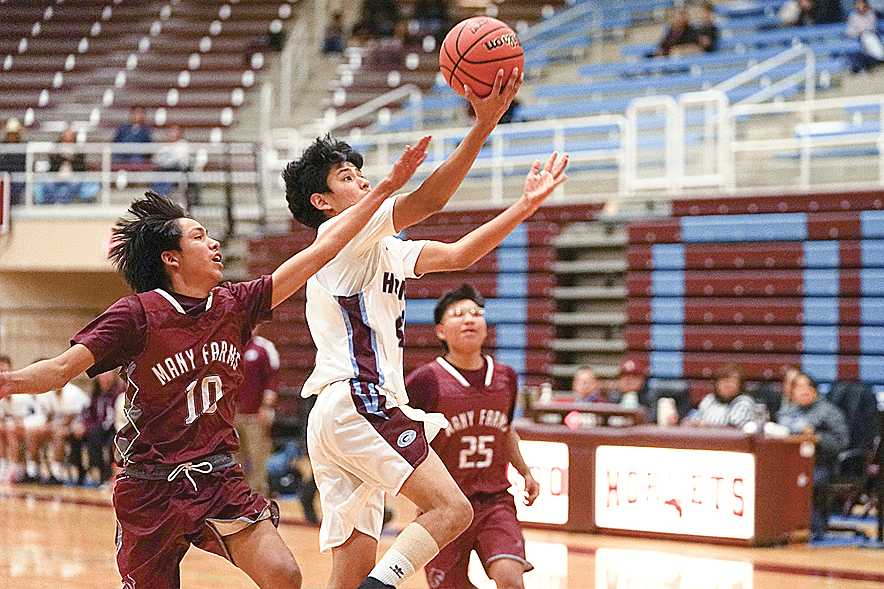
{"x": 473, "y": 52}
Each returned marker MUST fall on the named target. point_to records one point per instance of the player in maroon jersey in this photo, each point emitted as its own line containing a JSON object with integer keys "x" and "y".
{"x": 178, "y": 340}
{"x": 478, "y": 395}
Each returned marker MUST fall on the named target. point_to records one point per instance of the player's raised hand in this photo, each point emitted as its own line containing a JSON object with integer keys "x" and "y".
{"x": 540, "y": 182}
{"x": 490, "y": 108}
{"x": 408, "y": 163}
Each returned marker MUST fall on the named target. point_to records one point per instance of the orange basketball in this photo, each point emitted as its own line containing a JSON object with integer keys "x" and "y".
{"x": 475, "y": 49}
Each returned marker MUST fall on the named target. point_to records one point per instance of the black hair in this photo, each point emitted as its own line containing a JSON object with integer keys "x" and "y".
{"x": 309, "y": 175}
{"x": 140, "y": 240}
{"x": 4, "y": 359}
{"x": 462, "y": 292}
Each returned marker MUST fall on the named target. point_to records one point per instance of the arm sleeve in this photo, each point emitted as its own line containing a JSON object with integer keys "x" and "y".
{"x": 115, "y": 337}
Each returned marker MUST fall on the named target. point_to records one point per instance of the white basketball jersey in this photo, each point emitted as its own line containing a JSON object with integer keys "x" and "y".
{"x": 356, "y": 308}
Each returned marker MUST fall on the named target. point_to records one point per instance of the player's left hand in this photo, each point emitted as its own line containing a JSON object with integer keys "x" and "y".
{"x": 540, "y": 182}
{"x": 532, "y": 489}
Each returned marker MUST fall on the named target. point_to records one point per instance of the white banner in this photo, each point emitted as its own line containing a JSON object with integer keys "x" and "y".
{"x": 548, "y": 462}
{"x": 674, "y": 491}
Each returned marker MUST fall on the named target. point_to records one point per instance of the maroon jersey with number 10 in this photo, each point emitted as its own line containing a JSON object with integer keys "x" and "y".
{"x": 479, "y": 406}
{"x": 184, "y": 378}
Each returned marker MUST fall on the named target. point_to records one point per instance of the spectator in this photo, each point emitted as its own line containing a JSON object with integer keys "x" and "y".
{"x": 585, "y": 387}
{"x": 17, "y": 410}
{"x": 273, "y": 40}
{"x": 14, "y": 162}
{"x": 677, "y": 33}
{"x": 727, "y": 405}
{"x": 826, "y": 12}
{"x": 95, "y": 429}
{"x": 379, "y": 19}
{"x": 59, "y": 409}
{"x": 255, "y": 411}
{"x": 65, "y": 162}
{"x": 862, "y": 24}
{"x": 630, "y": 381}
{"x": 135, "y": 131}
{"x": 173, "y": 158}
{"x": 809, "y": 414}
{"x": 431, "y": 17}
{"x": 803, "y": 13}
{"x": 706, "y": 32}
{"x": 334, "y": 41}
{"x": 5, "y": 462}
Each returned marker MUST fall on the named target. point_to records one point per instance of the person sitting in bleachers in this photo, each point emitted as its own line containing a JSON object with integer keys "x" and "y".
{"x": 173, "y": 158}
{"x": 727, "y": 405}
{"x": 64, "y": 162}
{"x": 862, "y": 24}
{"x": 809, "y": 414}
{"x": 50, "y": 427}
{"x": 14, "y": 162}
{"x": 706, "y": 31}
{"x": 631, "y": 385}
{"x": 335, "y": 37}
{"x": 586, "y": 388}
{"x": 135, "y": 131}
{"x": 95, "y": 429}
{"x": 678, "y": 33}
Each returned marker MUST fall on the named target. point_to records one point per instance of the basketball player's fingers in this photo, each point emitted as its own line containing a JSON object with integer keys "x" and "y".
{"x": 515, "y": 81}
{"x": 548, "y": 166}
{"x": 498, "y": 83}
{"x": 560, "y": 165}
{"x": 535, "y": 168}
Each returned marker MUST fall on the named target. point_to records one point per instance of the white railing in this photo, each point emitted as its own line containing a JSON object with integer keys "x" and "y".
{"x": 798, "y": 146}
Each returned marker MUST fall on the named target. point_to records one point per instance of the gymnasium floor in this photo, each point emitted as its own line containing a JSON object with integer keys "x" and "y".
{"x": 62, "y": 538}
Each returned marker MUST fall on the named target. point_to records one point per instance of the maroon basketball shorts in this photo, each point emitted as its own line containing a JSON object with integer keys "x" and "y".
{"x": 494, "y": 534}
{"x": 158, "y": 520}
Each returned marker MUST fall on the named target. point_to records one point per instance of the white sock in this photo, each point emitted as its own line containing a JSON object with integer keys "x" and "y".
{"x": 392, "y": 568}
{"x": 413, "y": 548}
{"x": 56, "y": 470}
{"x": 31, "y": 468}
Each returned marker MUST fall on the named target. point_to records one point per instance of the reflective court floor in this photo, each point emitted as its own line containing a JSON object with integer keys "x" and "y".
{"x": 63, "y": 538}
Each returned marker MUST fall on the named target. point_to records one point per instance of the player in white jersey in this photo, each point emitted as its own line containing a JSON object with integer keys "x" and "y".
{"x": 362, "y": 437}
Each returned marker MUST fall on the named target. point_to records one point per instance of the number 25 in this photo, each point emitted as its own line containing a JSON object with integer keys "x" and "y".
{"x": 476, "y": 446}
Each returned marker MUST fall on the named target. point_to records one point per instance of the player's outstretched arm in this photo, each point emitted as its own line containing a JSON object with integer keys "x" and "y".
{"x": 47, "y": 375}
{"x": 294, "y": 272}
{"x": 539, "y": 184}
{"x": 532, "y": 487}
{"x": 435, "y": 192}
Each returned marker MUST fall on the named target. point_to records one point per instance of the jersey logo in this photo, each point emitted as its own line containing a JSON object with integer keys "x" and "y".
{"x": 406, "y": 438}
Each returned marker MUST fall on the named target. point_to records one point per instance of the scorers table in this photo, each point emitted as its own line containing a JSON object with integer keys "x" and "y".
{"x": 716, "y": 485}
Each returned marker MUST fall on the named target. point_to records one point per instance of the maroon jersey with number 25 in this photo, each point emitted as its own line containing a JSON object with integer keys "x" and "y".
{"x": 479, "y": 406}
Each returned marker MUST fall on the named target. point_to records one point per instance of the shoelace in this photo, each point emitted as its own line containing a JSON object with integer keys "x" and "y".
{"x": 204, "y": 467}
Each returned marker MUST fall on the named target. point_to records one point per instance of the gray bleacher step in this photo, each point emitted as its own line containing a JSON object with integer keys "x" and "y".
{"x": 590, "y": 267}
{"x": 589, "y": 345}
{"x": 591, "y": 319}
{"x": 589, "y": 292}
{"x": 596, "y": 238}
{"x": 604, "y": 372}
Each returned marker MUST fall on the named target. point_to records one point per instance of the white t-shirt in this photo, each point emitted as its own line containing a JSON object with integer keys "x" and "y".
{"x": 70, "y": 401}
{"x": 356, "y": 307}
